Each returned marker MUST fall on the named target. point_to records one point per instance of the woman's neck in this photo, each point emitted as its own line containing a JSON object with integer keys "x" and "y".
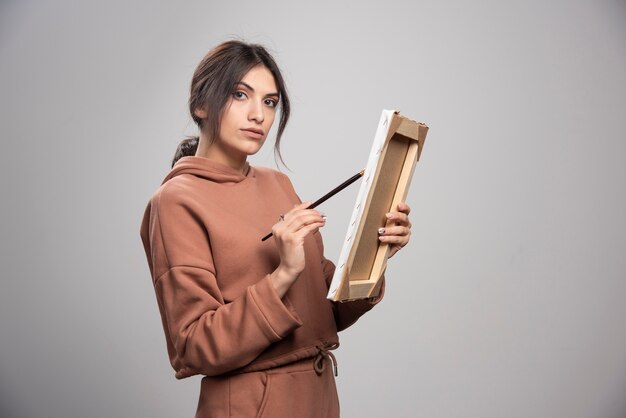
{"x": 216, "y": 153}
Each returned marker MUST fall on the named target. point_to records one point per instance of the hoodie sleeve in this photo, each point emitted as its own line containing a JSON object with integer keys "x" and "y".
{"x": 204, "y": 334}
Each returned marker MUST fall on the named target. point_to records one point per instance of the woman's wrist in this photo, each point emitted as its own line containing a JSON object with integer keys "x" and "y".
{"x": 282, "y": 279}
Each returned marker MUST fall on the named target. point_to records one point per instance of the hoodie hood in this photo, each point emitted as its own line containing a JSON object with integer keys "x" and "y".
{"x": 208, "y": 169}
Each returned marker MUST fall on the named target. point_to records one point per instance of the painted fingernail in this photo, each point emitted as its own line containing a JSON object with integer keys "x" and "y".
{"x": 381, "y": 231}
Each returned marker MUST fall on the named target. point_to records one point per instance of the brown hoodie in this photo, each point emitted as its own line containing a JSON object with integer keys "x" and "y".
{"x": 202, "y": 234}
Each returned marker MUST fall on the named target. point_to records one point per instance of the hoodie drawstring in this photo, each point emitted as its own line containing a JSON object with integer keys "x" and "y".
{"x": 319, "y": 364}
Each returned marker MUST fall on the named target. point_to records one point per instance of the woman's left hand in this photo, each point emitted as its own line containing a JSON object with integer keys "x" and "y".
{"x": 398, "y": 229}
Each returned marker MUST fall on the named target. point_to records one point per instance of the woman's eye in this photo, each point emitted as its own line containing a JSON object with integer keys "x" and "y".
{"x": 271, "y": 102}
{"x": 239, "y": 95}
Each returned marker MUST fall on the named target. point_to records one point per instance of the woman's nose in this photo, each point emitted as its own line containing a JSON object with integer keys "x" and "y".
{"x": 255, "y": 112}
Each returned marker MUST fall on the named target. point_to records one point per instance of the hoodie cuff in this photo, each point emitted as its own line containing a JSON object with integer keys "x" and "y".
{"x": 280, "y": 315}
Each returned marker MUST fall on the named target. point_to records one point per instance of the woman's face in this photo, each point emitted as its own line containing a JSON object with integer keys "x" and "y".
{"x": 248, "y": 115}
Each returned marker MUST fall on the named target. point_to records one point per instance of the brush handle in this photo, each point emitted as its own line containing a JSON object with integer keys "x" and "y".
{"x": 328, "y": 195}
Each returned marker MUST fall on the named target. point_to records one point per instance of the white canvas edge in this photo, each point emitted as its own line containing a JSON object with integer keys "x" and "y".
{"x": 357, "y": 213}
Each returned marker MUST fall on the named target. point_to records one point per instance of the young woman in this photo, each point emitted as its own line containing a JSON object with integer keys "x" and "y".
{"x": 250, "y": 316}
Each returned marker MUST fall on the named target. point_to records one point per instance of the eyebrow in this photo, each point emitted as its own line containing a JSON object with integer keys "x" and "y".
{"x": 249, "y": 87}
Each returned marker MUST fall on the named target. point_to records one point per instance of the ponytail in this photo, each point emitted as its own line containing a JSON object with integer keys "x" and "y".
{"x": 187, "y": 147}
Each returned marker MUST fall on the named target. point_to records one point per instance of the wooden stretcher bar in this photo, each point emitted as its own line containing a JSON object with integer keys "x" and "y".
{"x": 367, "y": 260}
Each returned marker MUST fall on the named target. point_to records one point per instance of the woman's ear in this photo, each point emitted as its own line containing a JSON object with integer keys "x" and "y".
{"x": 200, "y": 113}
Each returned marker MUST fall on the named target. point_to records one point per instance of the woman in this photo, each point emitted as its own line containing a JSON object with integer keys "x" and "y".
{"x": 250, "y": 316}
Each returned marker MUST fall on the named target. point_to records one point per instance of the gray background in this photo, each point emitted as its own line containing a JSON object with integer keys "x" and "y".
{"x": 509, "y": 301}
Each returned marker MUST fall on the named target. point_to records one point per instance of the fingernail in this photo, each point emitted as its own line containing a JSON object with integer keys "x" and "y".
{"x": 324, "y": 218}
{"x": 381, "y": 231}
{"x": 389, "y": 215}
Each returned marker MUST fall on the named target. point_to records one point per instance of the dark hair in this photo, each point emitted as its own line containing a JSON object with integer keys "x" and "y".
{"x": 212, "y": 86}
{"x": 187, "y": 146}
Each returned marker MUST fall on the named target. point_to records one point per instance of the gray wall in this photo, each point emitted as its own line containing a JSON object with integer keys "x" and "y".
{"x": 509, "y": 301}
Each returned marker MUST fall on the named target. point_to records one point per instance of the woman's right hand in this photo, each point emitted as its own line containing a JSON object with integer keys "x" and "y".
{"x": 289, "y": 234}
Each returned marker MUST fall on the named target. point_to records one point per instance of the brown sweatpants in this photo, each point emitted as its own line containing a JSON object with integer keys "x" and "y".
{"x": 295, "y": 390}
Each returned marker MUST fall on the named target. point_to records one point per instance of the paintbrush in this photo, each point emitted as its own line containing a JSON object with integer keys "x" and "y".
{"x": 329, "y": 195}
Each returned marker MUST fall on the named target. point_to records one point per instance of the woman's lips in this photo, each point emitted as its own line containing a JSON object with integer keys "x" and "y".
{"x": 253, "y": 133}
